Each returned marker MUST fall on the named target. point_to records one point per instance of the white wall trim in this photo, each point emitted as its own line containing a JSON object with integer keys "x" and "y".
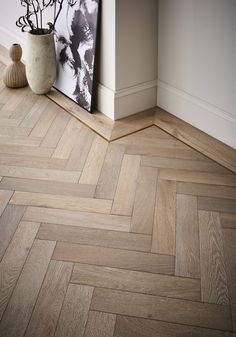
{"x": 206, "y": 117}
{"x": 7, "y": 38}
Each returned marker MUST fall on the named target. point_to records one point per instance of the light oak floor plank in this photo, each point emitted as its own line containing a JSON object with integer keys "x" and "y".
{"x": 228, "y": 220}
{"x": 144, "y": 203}
{"x": 217, "y": 204}
{"x": 97, "y": 237}
{"x": 75, "y": 309}
{"x": 162, "y": 308}
{"x": 125, "y": 192}
{"x": 14, "y": 259}
{"x": 24, "y": 296}
{"x": 100, "y": 324}
{"x": 135, "y": 281}
{"x": 187, "y": 238}
{"x": 48, "y": 306}
{"x": 213, "y": 275}
{"x": 30, "y": 120}
{"x": 5, "y": 196}
{"x": 163, "y": 236}
{"x": 24, "y": 150}
{"x": 61, "y": 202}
{"x": 118, "y": 258}
{"x": 139, "y": 327}
{"x": 80, "y": 219}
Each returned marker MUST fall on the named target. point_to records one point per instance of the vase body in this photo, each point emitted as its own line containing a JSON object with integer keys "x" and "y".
{"x": 41, "y": 62}
{"x": 14, "y": 75}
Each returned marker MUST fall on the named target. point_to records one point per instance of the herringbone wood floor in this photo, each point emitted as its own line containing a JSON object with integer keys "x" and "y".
{"x": 131, "y": 238}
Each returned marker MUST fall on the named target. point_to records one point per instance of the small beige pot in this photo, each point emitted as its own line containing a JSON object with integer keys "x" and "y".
{"x": 41, "y": 62}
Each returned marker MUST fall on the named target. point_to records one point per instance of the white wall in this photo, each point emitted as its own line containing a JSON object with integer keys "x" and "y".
{"x": 196, "y": 64}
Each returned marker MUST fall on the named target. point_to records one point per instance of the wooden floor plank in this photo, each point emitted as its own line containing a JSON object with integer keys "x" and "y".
{"x": 80, "y": 219}
{"x": 228, "y": 220}
{"x": 135, "y": 281}
{"x": 118, "y": 258}
{"x": 9, "y": 221}
{"x": 187, "y": 238}
{"x": 30, "y": 120}
{"x": 24, "y": 150}
{"x": 144, "y": 203}
{"x": 100, "y": 324}
{"x": 213, "y": 275}
{"x": 109, "y": 176}
{"x": 47, "y": 117}
{"x": 14, "y": 259}
{"x": 125, "y": 192}
{"x": 61, "y": 202}
{"x": 204, "y": 190}
{"x": 229, "y": 236}
{"x": 24, "y": 296}
{"x": 5, "y": 196}
{"x": 52, "y": 187}
{"x": 217, "y": 204}
{"x": 48, "y": 306}
{"x": 97, "y": 237}
{"x": 94, "y": 162}
{"x": 139, "y": 327}
{"x": 162, "y": 308}
{"x": 75, "y": 309}
{"x": 163, "y": 237}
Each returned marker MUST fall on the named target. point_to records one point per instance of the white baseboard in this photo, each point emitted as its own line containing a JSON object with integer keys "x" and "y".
{"x": 204, "y": 116}
{"x": 7, "y": 38}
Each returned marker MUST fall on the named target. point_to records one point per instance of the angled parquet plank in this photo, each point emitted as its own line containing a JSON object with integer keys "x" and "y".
{"x": 81, "y": 219}
{"x": 13, "y": 131}
{"x": 118, "y": 258}
{"x": 23, "y": 150}
{"x": 48, "y": 306}
{"x": 93, "y": 165}
{"x": 20, "y": 140}
{"x": 198, "y": 177}
{"x": 52, "y": 187}
{"x": 228, "y": 220}
{"x": 187, "y": 237}
{"x": 43, "y": 174}
{"x": 61, "y": 202}
{"x": 9, "y": 122}
{"x": 109, "y": 176}
{"x": 100, "y": 324}
{"x": 24, "y": 296}
{"x": 135, "y": 281}
{"x": 163, "y": 238}
{"x": 162, "y": 308}
{"x": 97, "y": 237}
{"x": 5, "y": 196}
{"x": 125, "y": 192}
{"x": 144, "y": 203}
{"x": 9, "y": 221}
{"x": 13, "y": 260}
{"x": 229, "y": 236}
{"x": 75, "y": 309}
{"x": 204, "y": 190}
{"x": 139, "y": 327}
{"x": 217, "y": 204}
{"x": 35, "y": 112}
{"x": 213, "y": 275}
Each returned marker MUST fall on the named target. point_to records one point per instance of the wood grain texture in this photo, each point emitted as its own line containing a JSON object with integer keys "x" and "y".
{"x": 48, "y": 306}
{"x": 5, "y": 196}
{"x": 8, "y": 223}
{"x": 100, "y": 324}
{"x": 228, "y": 220}
{"x": 217, "y": 204}
{"x": 162, "y": 308}
{"x": 125, "y": 192}
{"x": 97, "y": 237}
{"x": 117, "y": 258}
{"x": 80, "y": 219}
{"x": 108, "y": 179}
{"x": 204, "y": 190}
{"x": 213, "y": 275}
{"x": 134, "y": 281}
{"x": 24, "y": 296}
{"x": 75, "y": 309}
{"x": 26, "y": 150}
{"x": 187, "y": 237}
{"x": 163, "y": 236}
{"x": 14, "y": 259}
{"x": 144, "y": 203}
{"x": 139, "y": 327}
{"x": 45, "y": 120}
{"x": 61, "y": 202}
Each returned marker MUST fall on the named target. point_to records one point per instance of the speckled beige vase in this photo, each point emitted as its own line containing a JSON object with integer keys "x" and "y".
{"x": 41, "y": 62}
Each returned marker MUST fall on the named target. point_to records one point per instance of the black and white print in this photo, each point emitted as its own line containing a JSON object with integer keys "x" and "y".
{"x": 76, "y": 32}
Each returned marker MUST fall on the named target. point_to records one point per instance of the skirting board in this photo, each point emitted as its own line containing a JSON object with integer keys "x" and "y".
{"x": 211, "y": 120}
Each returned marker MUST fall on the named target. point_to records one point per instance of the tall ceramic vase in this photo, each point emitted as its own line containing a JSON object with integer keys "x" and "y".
{"x": 40, "y": 62}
